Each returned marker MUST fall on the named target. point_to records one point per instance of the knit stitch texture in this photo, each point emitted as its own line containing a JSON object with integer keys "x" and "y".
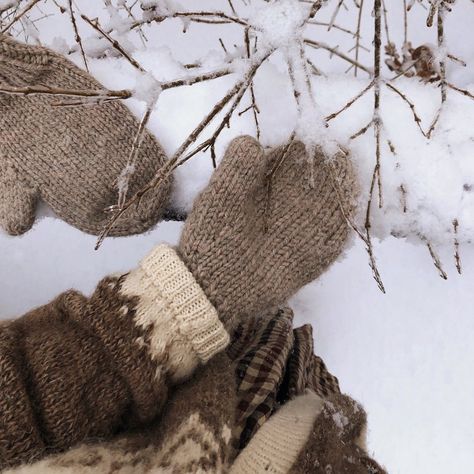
{"x": 251, "y": 246}
{"x": 70, "y": 157}
{"x": 80, "y": 368}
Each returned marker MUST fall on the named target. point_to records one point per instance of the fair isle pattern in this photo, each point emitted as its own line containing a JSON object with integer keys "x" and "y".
{"x": 124, "y": 347}
{"x": 259, "y": 375}
{"x": 199, "y": 450}
{"x": 199, "y": 453}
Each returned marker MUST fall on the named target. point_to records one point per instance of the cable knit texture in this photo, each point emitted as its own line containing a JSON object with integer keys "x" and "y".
{"x": 81, "y": 368}
{"x": 71, "y": 157}
{"x": 244, "y": 227}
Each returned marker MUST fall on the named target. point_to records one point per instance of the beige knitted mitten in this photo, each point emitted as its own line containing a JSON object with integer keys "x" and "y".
{"x": 71, "y": 157}
{"x": 249, "y": 249}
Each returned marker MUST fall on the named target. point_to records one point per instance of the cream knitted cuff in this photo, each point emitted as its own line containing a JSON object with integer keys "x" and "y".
{"x": 182, "y": 327}
{"x": 197, "y": 318}
{"x": 277, "y": 444}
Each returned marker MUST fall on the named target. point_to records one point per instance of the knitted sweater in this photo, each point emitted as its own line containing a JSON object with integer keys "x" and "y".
{"x": 230, "y": 404}
{"x": 81, "y": 370}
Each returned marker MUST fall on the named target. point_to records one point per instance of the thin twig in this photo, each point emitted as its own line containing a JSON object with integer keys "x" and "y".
{"x": 405, "y": 22}
{"x": 115, "y": 44}
{"x": 132, "y": 159}
{"x": 335, "y": 51}
{"x": 93, "y": 93}
{"x": 457, "y": 257}
{"x": 365, "y": 238}
{"x": 437, "y": 262}
{"x": 334, "y": 25}
{"x": 357, "y": 36}
{"x": 377, "y": 84}
{"x": 194, "y": 15}
{"x": 253, "y": 106}
{"x": 77, "y": 36}
{"x": 19, "y": 15}
{"x": 349, "y": 104}
{"x": 416, "y": 118}
{"x": 362, "y": 130}
{"x": 464, "y": 92}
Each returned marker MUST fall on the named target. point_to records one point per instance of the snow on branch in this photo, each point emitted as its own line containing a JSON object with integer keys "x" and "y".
{"x": 402, "y": 92}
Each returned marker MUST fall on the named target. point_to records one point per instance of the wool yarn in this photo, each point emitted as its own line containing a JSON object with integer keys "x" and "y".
{"x": 250, "y": 245}
{"x": 69, "y": 156}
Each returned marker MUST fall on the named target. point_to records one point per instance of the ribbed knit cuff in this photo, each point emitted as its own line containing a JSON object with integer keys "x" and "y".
{"x": 196, "y": 317}
{"x": 277, "y": 444}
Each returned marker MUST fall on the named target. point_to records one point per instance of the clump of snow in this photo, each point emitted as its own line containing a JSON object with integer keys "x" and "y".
{"x": 161, "y": 61}
{"x": 147, "y": 89}
{"x": 60, "y": 45}
{"x": 118, "y": 23}
{"x": 96, "y": 47}
{"x": 340, "y": 420}
{"x": 123, "y": 182}
{"x": 280, "y": 22}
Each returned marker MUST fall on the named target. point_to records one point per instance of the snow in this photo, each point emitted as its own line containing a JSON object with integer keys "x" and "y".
{"x": 279, "y": 21}
{"x": 404, "y": 355}
{"x": 147, "y": 89}
{"x": 6, "y": 4}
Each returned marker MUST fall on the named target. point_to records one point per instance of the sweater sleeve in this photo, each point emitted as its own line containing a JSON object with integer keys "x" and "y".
{"x": 310, "y": 434}
{"x": 82, "y": 368}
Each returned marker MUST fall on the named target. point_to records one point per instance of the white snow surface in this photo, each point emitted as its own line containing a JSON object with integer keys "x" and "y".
{"x": 404, "y": 355}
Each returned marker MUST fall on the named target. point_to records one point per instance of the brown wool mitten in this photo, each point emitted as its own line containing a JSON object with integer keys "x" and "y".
{"x": 249, "y": 249}
{"x": 70, "y": 157}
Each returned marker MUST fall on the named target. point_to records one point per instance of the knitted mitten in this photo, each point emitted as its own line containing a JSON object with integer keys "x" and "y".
{"x": 71, "y": 157}
{"x": 251, "y": 249}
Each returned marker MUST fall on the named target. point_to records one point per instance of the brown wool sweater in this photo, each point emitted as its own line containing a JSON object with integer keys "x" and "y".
{"x": 231, "y": 406}
{"x": 82, "y": 368}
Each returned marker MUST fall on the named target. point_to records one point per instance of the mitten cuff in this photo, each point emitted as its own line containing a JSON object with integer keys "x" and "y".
{"x": 196, "y": 317}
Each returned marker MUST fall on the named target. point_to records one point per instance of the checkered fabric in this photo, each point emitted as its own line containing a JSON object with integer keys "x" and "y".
{"x": 273, "y": 364}
{"x": 260, "y": 373}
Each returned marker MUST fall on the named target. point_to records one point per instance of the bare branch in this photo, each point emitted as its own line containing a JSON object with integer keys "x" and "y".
{"x": 115, "y": 44}
{"x": 335, "y": 51}
{"x": 457, "y": 257}
{"x": 416, "y": 118}
{"x": 352, "y": 101}
{"x": 19, "y": 15}
{"x": 194, "y": 15}
{"x": 437, "y": 262}
{"x": 77, "y": 36}
{"x": 357, "y": 35}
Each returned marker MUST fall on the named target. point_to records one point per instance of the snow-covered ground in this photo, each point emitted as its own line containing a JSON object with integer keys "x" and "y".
{"x": 405, "y": 355}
